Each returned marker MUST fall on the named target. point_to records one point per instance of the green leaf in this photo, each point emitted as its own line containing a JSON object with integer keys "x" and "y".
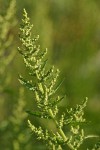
{"x": 58, "y": 86}
{"x": 39, "y": 114}
{"x": 92, "y": 136}
{"x": 44, "y": 64}
{"x": 47, "y": 75}
{"x": 57, "y": 101}
{"x": 27, "y": 84}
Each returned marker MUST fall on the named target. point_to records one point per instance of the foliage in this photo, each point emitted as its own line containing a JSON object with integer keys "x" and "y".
{"x": 74, "y": 47}
{"x": 19, "y": 139}
{"x": 7, "y": 22}
{"x": 43, "y": 84}
{"x": 10, "y": 127}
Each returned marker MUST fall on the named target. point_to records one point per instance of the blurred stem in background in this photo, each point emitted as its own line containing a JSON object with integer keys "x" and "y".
{"x": 7, "y": 52}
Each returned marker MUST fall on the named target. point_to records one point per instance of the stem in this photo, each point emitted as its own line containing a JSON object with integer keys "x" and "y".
{"x": 60, "y": 130}
{"x": 54, "y": 147}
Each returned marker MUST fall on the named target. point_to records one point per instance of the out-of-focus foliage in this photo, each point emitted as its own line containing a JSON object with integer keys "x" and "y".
{"x": 70, "y": 29}
{"x": 7, "y": 53}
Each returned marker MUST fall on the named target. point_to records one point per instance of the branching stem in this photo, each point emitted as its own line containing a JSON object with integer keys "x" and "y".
{"x": 65, "y": 138}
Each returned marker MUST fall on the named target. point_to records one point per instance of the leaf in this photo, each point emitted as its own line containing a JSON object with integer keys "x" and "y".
{"x": 58, "y": 86}
{"x": 27, "y": 84}
{"x": 92, "y": 136}
{"x": 42, "y": 54}
{"x": 44, "y": 64}
{"x": 32, "y": 74}
{"x": 47, "y": 75}
{"x": 39, "y": 114}
{"x": 57, "y": 101}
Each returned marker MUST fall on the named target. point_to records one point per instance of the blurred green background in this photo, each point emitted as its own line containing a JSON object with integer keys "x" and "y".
{"x": 71, "y": 31}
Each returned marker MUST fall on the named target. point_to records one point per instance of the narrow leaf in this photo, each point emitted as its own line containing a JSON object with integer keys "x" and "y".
{"x": 58, "y": 86}
{"x": 39, "y": 114}
{"x": 57, "y": 101}
{"x": 26, "y": 83}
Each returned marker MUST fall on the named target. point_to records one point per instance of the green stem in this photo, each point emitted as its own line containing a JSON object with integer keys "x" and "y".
{"x": 54, "y": 147}
{"x": 65, "y": 138}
